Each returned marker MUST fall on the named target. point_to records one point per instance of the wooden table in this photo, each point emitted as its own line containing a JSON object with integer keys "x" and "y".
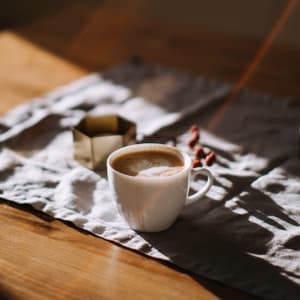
{"x": 42, "y": 258}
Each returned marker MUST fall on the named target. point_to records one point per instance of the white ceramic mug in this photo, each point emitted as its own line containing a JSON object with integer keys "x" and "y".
{"x": 152, "y": 204}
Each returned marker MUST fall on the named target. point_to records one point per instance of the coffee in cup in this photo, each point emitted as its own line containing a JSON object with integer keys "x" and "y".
{"x": 150, "y": 184}
{"x": 148, "y": 163}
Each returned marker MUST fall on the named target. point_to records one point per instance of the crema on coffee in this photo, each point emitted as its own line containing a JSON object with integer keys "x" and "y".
{"x": 148, "y": 163}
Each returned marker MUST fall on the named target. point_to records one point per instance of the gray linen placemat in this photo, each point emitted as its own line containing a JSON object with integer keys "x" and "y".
{"x": 245, "y": 233}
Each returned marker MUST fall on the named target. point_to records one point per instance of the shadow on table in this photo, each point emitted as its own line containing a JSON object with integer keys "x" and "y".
{"x": 6, "y": 294}
{"x": 16, "y": 13}
{"x": 43, "y": 222}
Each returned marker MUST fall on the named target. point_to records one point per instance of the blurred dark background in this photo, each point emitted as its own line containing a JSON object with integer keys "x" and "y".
{"x": 217, "y": 39}
{"x": 247, "y": 18}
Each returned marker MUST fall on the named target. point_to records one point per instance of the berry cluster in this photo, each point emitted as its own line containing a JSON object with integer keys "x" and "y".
{"x": 200, "y": 155}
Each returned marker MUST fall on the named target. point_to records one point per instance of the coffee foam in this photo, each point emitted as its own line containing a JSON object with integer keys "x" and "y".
{"x": 148, "y": 164}
{"x": 159, "y": 171}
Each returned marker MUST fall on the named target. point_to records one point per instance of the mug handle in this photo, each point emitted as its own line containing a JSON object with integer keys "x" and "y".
{"x": 195, "y": 197}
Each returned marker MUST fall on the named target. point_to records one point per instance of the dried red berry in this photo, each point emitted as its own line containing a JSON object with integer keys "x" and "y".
{"x": 191, "y": 143}
{"x": 210, "y": 158}
{"x": 193, "y": 128}
{"x": 195, "y": 135}
{"x": 199, "y": 152}
{"x": 196, "y": 163}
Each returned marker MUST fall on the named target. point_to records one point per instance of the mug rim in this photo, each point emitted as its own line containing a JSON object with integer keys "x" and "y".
{"x": 184, "y": 156}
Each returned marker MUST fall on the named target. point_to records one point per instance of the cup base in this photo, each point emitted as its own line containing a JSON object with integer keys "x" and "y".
{"x": 153, "y": 229}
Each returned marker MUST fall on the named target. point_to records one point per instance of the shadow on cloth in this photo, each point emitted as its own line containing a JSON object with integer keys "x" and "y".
{"x": 207, "y": 245}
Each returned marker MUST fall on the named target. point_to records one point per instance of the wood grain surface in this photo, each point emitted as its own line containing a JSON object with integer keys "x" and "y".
{"x": 43, "y": 258}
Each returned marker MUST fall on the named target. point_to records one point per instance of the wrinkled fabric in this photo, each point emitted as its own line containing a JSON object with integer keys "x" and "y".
{"x": 245, "y": 233}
